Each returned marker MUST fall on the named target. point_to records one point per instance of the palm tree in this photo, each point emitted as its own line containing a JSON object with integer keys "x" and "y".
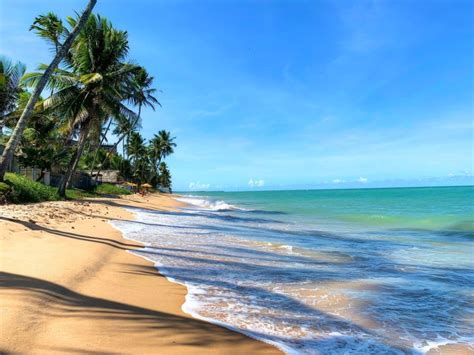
{"x": 50, "y": 27}
{"x": 7, "y": 156}
{"x": 10, "y": 89}
{"x": 161, "y": 145}
{"x": 165, "y": 176}
{"x": 137, "y": 152}
{"x": 136, "y": 147}
{"x": 41, "y": 144}
{"x": 141, "y": 94}
{"x": 95, "y": 87}
{"x": 166, "y": 143}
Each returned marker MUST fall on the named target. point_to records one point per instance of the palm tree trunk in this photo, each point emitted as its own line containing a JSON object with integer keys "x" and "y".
{"x": 10, "y": 148}
{"x": 74, "y": 161}
{"x": 100, "y": 145}
{"x": 126, "y": 134}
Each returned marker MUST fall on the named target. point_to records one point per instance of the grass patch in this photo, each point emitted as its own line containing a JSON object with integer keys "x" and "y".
{"x": 78, "y": 194}
{"x": 109, "y": 189}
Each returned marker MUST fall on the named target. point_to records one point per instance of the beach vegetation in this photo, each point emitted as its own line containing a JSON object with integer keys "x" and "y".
{"x": 22, "y": 189}
{"x": 17, "y": 188}
{"x": 10, "y": 147}
{"x": 94, "y": 92}
{"x": 110, "y": 189}
{"x": 10, "y": 88}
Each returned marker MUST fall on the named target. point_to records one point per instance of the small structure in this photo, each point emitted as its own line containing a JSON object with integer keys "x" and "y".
{"x": 108, "y": 176}
{"x": 79, "y": 179}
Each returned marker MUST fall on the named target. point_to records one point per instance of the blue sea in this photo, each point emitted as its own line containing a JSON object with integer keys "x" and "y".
{"x": 359, "y": 271}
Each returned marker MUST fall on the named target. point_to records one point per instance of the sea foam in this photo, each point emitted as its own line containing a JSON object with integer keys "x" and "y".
{"x": 338, "y": 294}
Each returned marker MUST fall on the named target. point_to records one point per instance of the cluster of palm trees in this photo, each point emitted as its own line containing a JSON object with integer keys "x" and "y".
{"x": 90, "y": 92}
{"x": 146, "y": 159}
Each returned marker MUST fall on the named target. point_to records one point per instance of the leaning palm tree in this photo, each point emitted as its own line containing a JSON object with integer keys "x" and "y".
{"x": 95, "y": 87}
{"x": 7, "y": 156}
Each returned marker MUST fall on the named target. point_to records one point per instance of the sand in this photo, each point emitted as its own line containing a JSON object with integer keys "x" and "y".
{"x": 67, "y": 285}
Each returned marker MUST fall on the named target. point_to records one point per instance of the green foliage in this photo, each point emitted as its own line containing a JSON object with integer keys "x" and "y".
{"x": 4, "y": 187}
{"x": 5, "y": 191}
{"x": 109, "y": 189}
{"x": 26, "y": 190}
{"x": 10, "y": 89}
{"x": 20, "y": 189}
{"x": 164, "y": 178}
{"x": 49, "y": 27}
{"x": 78, "y": 194}
{"x": 90, "y": 90}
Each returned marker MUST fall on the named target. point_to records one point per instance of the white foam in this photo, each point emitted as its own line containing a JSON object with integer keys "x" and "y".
{"x": 216, "y": 205}
{"x": 202, "y": 259}
{"x": 286, "y": 247}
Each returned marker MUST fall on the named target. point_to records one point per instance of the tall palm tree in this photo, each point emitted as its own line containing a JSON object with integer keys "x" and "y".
{"x": 136, "y": 148}
{"x": 137, "y": 152}
{"x": 7, "y": 155}
{"x": 164, "y": 144}
{"x": 96, "y": 86}
{"x": 141, "y": 94}
{"x": 161, "y": 145}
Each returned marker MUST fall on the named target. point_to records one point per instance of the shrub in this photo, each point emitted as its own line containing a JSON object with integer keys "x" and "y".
{"x": 26, "y": 190}
{"x": 20, "y": 189}
{"x": 4, "y": 192}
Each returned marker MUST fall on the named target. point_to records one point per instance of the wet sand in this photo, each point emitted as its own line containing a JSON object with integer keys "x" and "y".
{"x": 67, "y": 285}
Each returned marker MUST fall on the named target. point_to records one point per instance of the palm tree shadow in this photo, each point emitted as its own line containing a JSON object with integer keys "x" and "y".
{"x": 64, "y": 302}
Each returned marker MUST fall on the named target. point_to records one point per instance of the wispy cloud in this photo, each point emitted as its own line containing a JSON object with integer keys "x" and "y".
{"x": 198, "y": 186}
{"x": 362, "y": 180}
{"x": 256, "y": 183}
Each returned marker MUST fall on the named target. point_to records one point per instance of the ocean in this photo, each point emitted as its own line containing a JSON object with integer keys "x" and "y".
{"x": 357, "y": 271}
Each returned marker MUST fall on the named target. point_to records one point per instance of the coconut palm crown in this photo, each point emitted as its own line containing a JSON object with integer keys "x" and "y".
{"x": 94, "y": 83}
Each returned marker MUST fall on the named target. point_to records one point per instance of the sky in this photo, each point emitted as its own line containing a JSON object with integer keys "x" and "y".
{"x": 294, "y": 94}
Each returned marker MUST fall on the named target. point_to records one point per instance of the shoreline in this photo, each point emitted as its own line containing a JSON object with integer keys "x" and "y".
{"x": 188, "y": 310}
{"x": 67, "y": 286}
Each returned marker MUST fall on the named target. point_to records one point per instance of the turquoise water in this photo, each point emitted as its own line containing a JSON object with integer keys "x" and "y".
{"x": 431, "y": 208}
{"x": 365, "y": 271}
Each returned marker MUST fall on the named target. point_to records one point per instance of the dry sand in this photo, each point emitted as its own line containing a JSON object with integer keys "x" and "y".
{"x": 67, "y": 285}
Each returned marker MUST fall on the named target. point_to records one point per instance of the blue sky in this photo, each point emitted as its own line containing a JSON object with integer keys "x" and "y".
{"x": 295, "y": 94}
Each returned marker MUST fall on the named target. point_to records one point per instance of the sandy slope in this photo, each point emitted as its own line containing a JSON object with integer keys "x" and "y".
{"x": 68, "y": 286}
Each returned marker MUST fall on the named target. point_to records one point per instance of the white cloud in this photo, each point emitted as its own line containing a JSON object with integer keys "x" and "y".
{"x": 461, "y": 173}
{"x": 256, "y": 183}
{"x": 362, "y": 180}
{"x": 198, "y": 186}
{"x": 337, "y": 181}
